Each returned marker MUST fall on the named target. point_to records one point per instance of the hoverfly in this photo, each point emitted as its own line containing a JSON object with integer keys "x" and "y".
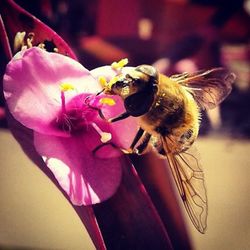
{"x": 168, "y": 111}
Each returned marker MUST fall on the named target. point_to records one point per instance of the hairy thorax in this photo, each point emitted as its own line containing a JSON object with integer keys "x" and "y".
{"x": 174, "y": 115}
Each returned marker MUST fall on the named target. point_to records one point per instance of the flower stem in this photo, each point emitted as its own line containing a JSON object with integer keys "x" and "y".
{"x": 129, "y": 219}
{"x": 156, "y": 178}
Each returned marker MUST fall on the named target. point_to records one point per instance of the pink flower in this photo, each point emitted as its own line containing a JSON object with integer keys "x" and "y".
{"x": 143, "y": 212}
{"x": 55, "y": 96}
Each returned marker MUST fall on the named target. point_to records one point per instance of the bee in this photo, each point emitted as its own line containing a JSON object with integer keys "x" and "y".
{"x": 168, "y": 111}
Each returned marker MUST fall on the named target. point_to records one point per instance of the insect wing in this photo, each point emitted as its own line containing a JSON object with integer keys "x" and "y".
{"x": 189, "y": 179}
{"x": 208, "y": 87}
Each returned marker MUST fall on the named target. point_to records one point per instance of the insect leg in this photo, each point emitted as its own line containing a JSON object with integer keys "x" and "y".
{"x": 101, "y": 114}
{"x": 100, "y": 92}
{"x": 103, "y": 145}
{"x": 158, "y": 145}
{"x": 144, "y": 143}
{"x": 120, "y": 117}
{"x": 95, "y": 108}
{"x": 161, "y": 150}
{"x": 137, "y": 138}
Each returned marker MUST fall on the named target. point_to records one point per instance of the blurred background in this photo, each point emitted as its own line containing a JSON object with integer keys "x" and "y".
{"x": 175, "y": 36}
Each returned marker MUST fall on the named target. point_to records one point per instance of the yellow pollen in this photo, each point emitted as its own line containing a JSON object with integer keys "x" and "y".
{"x": 113, "y": 81}
{"x": 41, "y": 46}
{"x": 108, "y": 101}
{"x": 103, "y": 81}
{"x": 108, "y": 85}
{"x": 105, "y": 137}
{"x": 66, "y": 86}
{"x": 120, "y": 64}
{"x": 19, "y": 40}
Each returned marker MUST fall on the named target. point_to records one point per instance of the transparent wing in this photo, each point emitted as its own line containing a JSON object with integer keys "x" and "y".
{"x": 209, "y": 87}
{"x": 189, "y": 178}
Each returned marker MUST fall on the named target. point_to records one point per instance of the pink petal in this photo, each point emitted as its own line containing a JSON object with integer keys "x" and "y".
{"x": 25, "y": 138}
{"x": 32, "y": 86}
{"x": 86, "y": 179}
{"x": 83, "y": 117}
